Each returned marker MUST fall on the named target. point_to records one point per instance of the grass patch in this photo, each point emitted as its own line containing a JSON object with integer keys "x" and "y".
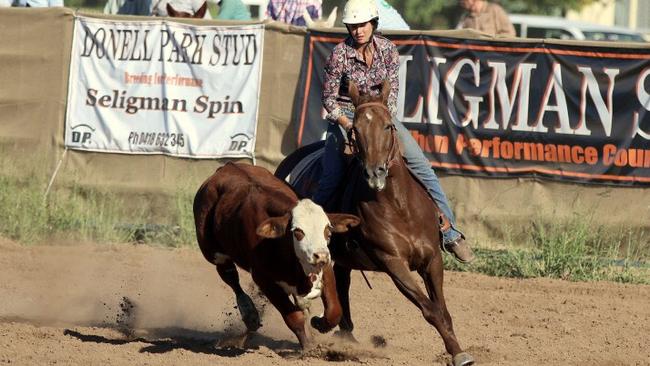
{"x": 575, "y": 251}
{"x": 72, "y": 213}
{"x": 179, "y": 229}
{"x": 29, "y": 217}
{"x": 78, "y": 213}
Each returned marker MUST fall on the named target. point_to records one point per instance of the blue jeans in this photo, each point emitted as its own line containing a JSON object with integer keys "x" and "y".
{"x": 333, "y": 170}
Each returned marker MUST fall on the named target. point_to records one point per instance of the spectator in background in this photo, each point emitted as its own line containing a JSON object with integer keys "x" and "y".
{"x": 228, "y": 9}
{"x": 485, "y": 17}
{"x": 38, "y": 3}
{"x": 159, "y": 8}
{"x": 291, "y": 11}
{"x": 128, "y": 7}
{"x": 233, "y": 10}
{"x": 389, "y": 18}
{"x": 153, "y": 7}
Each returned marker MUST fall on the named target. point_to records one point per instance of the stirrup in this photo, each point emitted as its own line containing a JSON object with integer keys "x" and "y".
{"x": 457, "y": 247}
{"x": 460, "y": 250}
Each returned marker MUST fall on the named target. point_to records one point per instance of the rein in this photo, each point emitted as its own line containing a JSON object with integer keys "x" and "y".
{"x": 393, "y": 155}
{"x": 372, "y": 104}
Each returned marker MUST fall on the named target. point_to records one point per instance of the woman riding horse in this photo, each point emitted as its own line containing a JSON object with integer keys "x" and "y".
{"x": 367, "y": 59}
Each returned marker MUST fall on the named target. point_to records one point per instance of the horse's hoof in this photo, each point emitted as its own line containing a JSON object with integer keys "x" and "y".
{"x": 320, "y": 324}
{"x": 252, "y": 321}
{"x": 346, "y": 336}
{"x": 309, "y": 346}
{"x": 238, "y": 342}
{"x": 463, "y": 359}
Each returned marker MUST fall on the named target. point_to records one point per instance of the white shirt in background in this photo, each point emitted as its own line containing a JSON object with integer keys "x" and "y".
{"x": 40, "y": 3}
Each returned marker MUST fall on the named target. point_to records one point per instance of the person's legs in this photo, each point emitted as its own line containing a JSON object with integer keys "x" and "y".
{"x": 333, "y": 165}
{"x": 453, "y": 239}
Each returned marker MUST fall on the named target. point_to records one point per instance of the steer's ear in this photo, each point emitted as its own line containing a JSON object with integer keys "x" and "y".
{"x": 341, "y": 222}
{"x": 273, "y": 227}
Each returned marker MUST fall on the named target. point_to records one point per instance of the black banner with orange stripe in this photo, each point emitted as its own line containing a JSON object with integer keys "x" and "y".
{"x": 511, "y": 109}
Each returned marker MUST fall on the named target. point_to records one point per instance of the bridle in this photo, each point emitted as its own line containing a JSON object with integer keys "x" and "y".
{"x": 393, "y": 153}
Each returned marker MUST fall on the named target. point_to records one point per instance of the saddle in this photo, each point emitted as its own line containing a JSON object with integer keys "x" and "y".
{"x": 306, "y": 174}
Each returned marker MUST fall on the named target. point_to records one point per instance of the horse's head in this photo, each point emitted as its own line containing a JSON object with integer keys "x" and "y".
{"x": 375, "y": 135}
{"x": 200, "y": 13}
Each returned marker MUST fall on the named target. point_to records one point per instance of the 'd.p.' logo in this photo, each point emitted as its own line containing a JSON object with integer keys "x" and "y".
{"x": 81, "y": 135}
{"x": 240, "y": 142}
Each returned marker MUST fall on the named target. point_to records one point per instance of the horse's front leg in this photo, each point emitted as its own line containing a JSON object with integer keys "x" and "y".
{"x": 400, "y": 273}
{"x": 342, "y": 276}
{"x": 433, "y": 277}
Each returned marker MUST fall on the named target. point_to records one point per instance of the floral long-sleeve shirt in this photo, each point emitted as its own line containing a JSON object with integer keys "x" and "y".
{"x": 345, "y": 64}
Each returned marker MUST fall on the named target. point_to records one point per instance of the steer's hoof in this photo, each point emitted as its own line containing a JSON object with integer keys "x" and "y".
{"x": 463, "y": 359}
{"x": 320, "y": 324}
{"x": 252, "y": 320}
{"x": 248, "y": 312}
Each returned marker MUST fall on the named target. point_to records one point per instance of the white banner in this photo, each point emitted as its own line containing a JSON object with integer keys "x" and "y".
{"x": 158, "y": 87}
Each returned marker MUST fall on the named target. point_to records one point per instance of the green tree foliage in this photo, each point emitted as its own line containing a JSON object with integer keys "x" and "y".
{"x": 544, "y": 7}
{"x": 428, "y": 14}
{"x": 443, "y": 14}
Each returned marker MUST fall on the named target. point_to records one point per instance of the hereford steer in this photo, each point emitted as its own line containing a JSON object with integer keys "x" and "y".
{"x": 245, "y": 216}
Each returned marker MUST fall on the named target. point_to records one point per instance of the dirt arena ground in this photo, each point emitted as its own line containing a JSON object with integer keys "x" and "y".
{"x": 97, "y": 304}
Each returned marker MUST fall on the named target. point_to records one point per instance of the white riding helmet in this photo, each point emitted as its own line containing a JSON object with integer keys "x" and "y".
{"x": 359, "y": 11}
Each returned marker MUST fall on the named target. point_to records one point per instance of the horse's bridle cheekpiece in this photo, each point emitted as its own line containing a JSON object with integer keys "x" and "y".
{"x": 392, "y": 154}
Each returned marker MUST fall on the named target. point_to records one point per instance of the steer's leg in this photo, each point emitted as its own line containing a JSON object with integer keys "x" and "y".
{"x": 291, "y": 313}
{"x": 331, "y": 304}
{"x": 432, "y": 311}
{"x": 228, "y": 272}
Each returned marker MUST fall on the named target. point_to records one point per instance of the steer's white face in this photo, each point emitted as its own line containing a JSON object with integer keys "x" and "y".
{"x": 311, "y": 231}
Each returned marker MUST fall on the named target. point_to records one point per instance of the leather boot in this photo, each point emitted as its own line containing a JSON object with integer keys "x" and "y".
{"x": 458, "y": 247}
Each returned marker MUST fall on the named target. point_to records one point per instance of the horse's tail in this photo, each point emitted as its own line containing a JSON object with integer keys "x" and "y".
{"x": 289, "y": 163}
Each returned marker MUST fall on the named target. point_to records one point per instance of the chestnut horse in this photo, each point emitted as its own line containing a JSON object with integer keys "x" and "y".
{"x": 399, "y": 230}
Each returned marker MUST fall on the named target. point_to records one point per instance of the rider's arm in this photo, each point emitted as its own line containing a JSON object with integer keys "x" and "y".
{"x": 393, "y": 76}
{"x": 332, "y": 82}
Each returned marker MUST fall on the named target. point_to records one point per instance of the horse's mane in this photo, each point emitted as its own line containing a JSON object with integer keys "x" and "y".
{"x": 368, "y": 98}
